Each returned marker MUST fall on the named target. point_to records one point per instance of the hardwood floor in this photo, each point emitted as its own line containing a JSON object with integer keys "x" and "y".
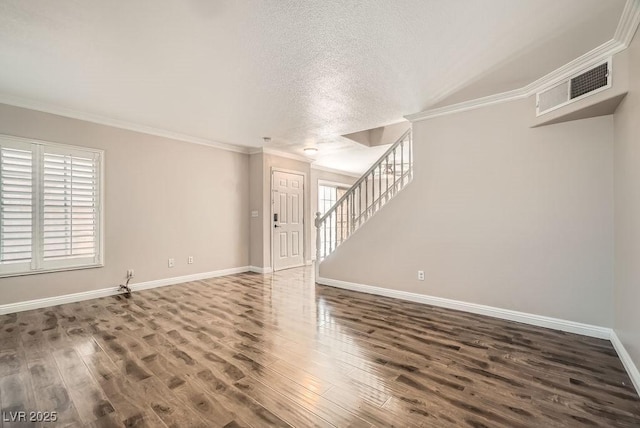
{"x": 275, "y": 350}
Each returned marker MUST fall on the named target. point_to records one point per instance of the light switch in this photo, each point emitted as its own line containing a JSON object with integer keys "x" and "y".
{"x": 254, "y": 213}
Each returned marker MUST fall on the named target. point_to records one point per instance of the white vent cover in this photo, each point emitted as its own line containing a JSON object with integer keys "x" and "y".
{"x": 577, "y": 87}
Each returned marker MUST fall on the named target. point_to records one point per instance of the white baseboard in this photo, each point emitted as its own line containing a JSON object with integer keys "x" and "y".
{"x": 538, "y": 320}
{"x": 112, "y": 291}
{"x": 627, "y": 362}
{"x": 187, "y": 278}
{"x": 56, "y": 300}
{"x": 523, "y": 317}
{"x": 262, "y": 270}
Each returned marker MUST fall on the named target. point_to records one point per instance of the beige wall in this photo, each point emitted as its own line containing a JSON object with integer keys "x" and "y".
{"x": 256, "y": 203}
{"x": 316, "y": 176}
{"x": 163, "y": 199}
{"x": 498, "y": 214}
{"x": 627, "y": 211}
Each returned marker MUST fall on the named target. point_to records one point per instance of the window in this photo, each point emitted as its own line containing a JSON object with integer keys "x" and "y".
{"x": 50, "y": 207}
{"x": 328, "y": 195}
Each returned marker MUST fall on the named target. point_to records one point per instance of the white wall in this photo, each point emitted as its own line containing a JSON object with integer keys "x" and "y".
{"x": 164, "y": 198}
{"x": 627, "y": 211}
{"x": 498, "y": 214}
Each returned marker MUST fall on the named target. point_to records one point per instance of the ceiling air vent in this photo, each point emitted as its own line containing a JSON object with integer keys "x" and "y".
{"x": 575, "y": 88}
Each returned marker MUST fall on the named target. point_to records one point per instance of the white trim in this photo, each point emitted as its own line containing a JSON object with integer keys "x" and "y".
{"x": 187, "y": 278}
{"x": 568, "y": 81}
{"x": 112, "y": 291}
{"x": 328, "y": 183}
{"x": 506, "y": 314}
{"x": 305, "y": 183}
{"x": 261, "y": 270}
{"x": 594, "y": 57}
{"x": 627, "y": 26}
{"x": 116, "y": 123}
{"x": 627, "y": 362}
{"x": 278, "y": 153}
{"x": 523, "y": 317}
{"x": 335, "y": 171}
{"x": 62, "y": 146}
{"x": 63, "y": 268}
{"x": 580, "y": 64}
{"x": 56, "y": 300}
{"x": 38, "y": 149}
{"x": 516, "y": 94}
{"x": 628, "y": 23}
{"x": 288, "y": 171}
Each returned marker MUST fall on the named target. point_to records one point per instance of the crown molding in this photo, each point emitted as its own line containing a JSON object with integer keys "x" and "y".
{"x": 516, "y": 94}
{"x": 628, "y": 23}
{"x": 335, "y": 171}
{"x": 300, "y": 158}
{"x": 593, "y": 57}
{"x": 115, "y": 123}
{"x": 627, "y": 26}
{"x": 281, "y": 154}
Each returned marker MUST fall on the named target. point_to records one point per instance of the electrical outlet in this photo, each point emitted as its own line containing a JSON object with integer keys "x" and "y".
{"x": 172, "y": 263}
{"x": 190, "y": 260}
{"x": 129, "y": 273}
{"x": 421, "y": 275}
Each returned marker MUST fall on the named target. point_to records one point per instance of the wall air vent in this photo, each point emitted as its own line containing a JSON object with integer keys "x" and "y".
{"x": 575, "y": 88}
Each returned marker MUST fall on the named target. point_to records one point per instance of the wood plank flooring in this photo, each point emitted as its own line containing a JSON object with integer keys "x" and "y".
{"x": 277, "y": 350}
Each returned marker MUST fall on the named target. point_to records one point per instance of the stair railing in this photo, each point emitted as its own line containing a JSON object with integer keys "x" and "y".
{"x": 386, "y": 177}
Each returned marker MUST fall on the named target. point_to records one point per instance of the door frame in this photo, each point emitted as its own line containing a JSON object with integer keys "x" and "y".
{"x": 304, "y": 220}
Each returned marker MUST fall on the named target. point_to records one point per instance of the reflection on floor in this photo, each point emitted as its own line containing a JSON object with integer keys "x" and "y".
{"x": 276, "y": 350}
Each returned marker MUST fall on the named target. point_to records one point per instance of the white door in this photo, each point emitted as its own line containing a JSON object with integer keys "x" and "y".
{"x": 287, "y": 198}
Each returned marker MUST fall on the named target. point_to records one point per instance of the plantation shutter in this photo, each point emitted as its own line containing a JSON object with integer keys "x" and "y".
{"x": 70, "y": 206}
{"x": 16, "y": 206}
{"x": 50, "y": 213}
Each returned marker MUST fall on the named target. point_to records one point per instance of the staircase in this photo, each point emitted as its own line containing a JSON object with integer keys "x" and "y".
{"x": 388, "y": 176}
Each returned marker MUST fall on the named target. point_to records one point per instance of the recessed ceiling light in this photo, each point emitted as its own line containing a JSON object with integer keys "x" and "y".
{"x": 311, "y": 150}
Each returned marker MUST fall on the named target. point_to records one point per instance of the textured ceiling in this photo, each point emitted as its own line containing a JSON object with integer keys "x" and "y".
{"x": 301, "y": 72}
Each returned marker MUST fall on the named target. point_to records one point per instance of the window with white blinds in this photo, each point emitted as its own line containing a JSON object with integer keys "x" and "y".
{"x": 16, "y": 205}
{"x": 50, "y": 207}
